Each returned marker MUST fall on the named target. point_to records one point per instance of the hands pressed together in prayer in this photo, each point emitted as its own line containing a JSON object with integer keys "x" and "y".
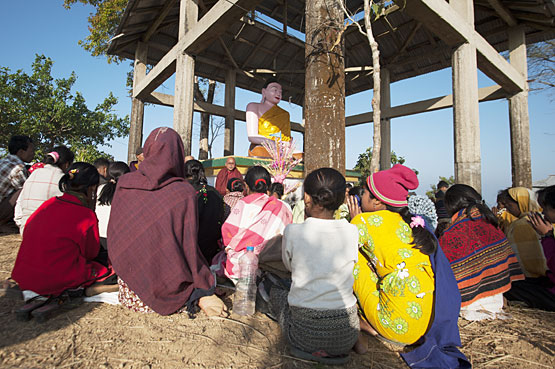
{"x": 540, "y": 224}
{"x": 354, "y": 206}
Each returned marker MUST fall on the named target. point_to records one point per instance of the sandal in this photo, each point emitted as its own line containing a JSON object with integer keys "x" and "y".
{"x": 263, "y": 298}
{"x": 320, "y": 356}
{"x": 24, "y": 312}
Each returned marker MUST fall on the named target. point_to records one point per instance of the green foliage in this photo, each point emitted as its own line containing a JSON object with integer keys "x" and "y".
{"x": 432, "y": 193}
{"x": 364, "y": 159}
{"x": 102, "y": 25}
{"x": 48, "y": 111}
{"x": 89, "y": 154}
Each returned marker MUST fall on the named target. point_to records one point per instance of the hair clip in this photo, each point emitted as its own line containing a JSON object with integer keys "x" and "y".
{"x": 54, "y": 156}
{"x": 72, "y": 172}
{"x": 417, "y": 221}
{"x": 260, "y": 180}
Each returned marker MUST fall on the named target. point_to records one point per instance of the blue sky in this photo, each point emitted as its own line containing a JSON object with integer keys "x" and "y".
{"x": 30, "y": 27}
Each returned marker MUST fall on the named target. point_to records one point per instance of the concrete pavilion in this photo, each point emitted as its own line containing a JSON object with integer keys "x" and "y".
{"x": 231, "y": 41}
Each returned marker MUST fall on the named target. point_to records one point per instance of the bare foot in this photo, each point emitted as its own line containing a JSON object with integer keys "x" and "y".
{"x": 97, "y": 289}
{"x": 366, "y": 327}
{"x": 213, "y": 306}
{"x": 361, "y": 346}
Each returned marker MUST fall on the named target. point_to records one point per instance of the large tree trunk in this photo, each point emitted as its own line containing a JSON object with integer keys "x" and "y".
{"x": 324, "y": 86}
{"x": 204, "y": 117}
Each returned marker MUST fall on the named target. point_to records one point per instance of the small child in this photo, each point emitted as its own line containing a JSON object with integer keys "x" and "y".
{"x": 318, "y": 315}
{"x": 60, "y": 240}
{"x": 277, "y": 190}
{"x": 234, "y": 193}
{"x": 105, "y": 194}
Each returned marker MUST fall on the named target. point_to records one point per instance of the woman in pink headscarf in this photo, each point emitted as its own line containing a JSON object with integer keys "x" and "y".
{"x": 152, "y": 235}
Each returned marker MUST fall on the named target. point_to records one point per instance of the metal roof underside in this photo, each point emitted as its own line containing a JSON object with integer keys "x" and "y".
{"x": 253, "y": 45}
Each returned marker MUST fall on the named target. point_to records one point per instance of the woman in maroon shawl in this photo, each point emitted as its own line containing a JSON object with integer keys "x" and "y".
{"x": 152, "y": 235}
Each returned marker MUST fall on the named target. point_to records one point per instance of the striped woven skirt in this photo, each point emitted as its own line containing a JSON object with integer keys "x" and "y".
{"x": 313, "y": 330}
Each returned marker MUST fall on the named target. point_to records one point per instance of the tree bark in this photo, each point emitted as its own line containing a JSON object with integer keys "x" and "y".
{"x": 324, "y": 86}
{"x": 376, "y": 113}
{"x": 204, "y": 117}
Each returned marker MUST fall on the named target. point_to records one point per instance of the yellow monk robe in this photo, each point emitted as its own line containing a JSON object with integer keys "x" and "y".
{"x": 274, "y": 121}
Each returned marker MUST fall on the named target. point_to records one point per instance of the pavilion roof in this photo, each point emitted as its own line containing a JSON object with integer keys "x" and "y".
{"x": 255, "y": 45}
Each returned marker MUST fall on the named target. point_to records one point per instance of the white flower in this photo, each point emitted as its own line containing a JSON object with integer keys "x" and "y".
{"x": 403, "y": 272}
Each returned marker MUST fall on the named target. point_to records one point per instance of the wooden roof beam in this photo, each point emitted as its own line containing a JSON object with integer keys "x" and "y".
{"x": 214, "y": 23}
{"x": 437, "y": 103}
{"x": 273, "y": 31}
{"x": 447, "y": 24}
{"x": 254, "y": 50}
{"x": 227, "y": 52}
{"x": 147, "y": 10}
{"x": 407, "y": 41}
{"x": 503, "y": 12}
{"x": 278, "y": 71}
{"x": 159, "y": 19}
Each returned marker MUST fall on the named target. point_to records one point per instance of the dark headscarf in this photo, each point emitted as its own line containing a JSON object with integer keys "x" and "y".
{"x": 152, "y": 234}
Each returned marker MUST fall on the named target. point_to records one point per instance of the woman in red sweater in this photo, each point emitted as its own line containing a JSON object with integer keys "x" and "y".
{"x": 60, "y": 240}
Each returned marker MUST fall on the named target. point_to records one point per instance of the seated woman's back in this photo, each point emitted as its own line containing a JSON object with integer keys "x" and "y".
{"x": 60, "y": 239}
{"x": 152, "y": 234}
{"x": 482, "y": 260}
{"x": 210, "y": 210}
{"x": 521, "y": 235}
{"x": 257, "y": 220}
{"x": 42, "y": 184}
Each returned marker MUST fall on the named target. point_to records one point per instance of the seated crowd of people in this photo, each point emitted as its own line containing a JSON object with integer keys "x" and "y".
{"x": 352, "y": 261}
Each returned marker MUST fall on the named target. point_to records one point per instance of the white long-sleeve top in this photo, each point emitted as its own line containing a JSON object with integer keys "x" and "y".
{"x": 102, "y": 213}
{"x": 321, "y": 255}
{"x": 41, "y": 185}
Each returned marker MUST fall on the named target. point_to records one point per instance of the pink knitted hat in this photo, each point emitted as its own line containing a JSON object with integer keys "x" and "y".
{"x": 392, "y": 186}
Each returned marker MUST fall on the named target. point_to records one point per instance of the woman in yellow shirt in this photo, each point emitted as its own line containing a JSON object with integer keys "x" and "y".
{"x": 394, "y": 280}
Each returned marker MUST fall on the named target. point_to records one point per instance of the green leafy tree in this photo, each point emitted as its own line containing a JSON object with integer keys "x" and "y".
{"x": 364, "y": 160}
{"x": 48, "y": 111}
{"x": 432, "y": 193}
{"x": 102, "y": 24}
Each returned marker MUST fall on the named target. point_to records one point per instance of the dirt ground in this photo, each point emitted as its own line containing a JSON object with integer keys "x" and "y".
{"x": 103, "y": 336}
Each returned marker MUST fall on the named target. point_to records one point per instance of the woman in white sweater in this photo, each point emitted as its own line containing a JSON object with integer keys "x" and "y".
{"x": 42, "y": 184}
{"x": 318, "y": 315}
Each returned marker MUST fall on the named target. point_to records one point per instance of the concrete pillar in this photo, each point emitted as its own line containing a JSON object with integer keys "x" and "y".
{"x": 137, "y": 106}
{"x": 466, "y": 119}
{"x": 184, "y": 79}
{"x": 385, "y": 105}
{"x": 229, "y": 136}
{"x": 324, "y": 88}
{"x": 521, "y": 162}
